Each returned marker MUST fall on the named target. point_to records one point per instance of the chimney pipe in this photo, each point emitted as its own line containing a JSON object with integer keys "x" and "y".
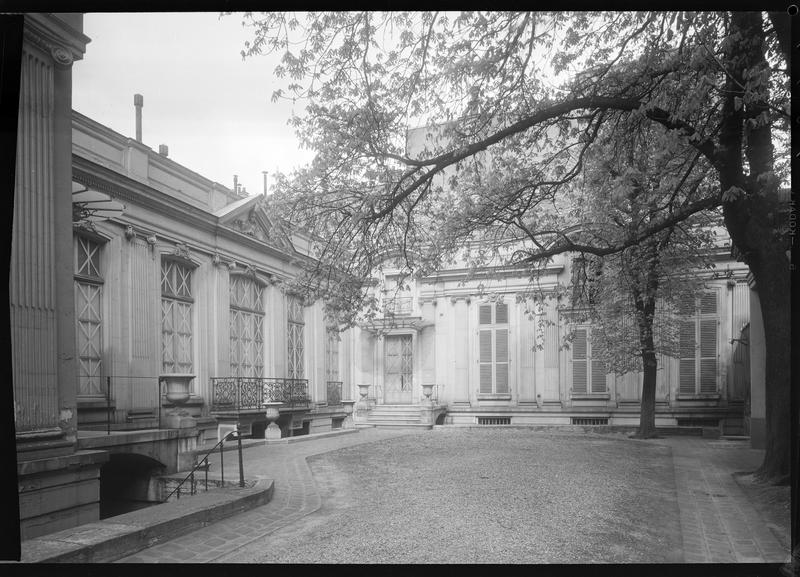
{"x": 265, "y": 173}
{"x": 236, "y": 183}
{"x": 163, "y": 150}
{"x": 138, "y": 102}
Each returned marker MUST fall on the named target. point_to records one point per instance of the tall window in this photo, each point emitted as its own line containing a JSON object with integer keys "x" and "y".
{"x": 296, "y": 336}
{"x": 332, "y": 354}
{"x": 588, "y": 373}
{"x": 698, "y": 345}
{"x": 176, "y": 317}
{"x": 88, "y": 316}
{"x": 493, "y": 348}
{"x": 246, "y": 330}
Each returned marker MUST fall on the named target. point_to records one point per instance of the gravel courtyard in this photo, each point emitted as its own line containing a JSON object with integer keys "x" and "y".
{"x": 486, "y": 496}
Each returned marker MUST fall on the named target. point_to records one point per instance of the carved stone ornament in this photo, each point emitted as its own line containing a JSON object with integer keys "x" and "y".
{"x": 61, "y": 55}
{"x": 181, "y": 250}
{"x": 130, "y": 233}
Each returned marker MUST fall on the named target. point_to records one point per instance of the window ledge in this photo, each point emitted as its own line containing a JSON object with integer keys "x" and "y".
{"x": 590, "y": 396}
{"x": 697, "y": 396}
{"x": 494, "y": 397}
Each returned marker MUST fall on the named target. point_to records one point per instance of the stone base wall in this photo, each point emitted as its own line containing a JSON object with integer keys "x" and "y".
{"x": 59, "y": 492}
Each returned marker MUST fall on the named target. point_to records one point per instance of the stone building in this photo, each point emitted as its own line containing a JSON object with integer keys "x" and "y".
{"x": 185, "y": 277}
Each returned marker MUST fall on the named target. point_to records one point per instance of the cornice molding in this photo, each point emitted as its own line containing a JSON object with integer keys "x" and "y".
{"x": 51, "y": 34}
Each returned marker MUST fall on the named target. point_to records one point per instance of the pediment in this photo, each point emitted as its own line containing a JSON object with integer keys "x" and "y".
{"x": 250, "y": 218}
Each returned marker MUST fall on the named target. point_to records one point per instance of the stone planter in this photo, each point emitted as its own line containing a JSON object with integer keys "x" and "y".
{"x": 177, "y": 392}
{"x": 363, "y": 390}
{"x": 176, "y": 386}
{"x": 427, "y": 391}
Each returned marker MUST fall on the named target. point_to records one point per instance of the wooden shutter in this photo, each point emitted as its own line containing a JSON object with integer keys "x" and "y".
{"x": 686, "y": 347}
{"x": 485, "y": 315}
{"x": 579, "y": 362}
{"x": 501, "y": 359}
{"x": 598, "y": 377}
{"x": 501, "y": 314}
{"x": 708, "y": 355}
{"x": 485, "y": 359}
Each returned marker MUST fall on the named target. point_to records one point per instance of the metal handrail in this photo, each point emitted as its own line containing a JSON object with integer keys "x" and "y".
{"x": 205, "y": 460}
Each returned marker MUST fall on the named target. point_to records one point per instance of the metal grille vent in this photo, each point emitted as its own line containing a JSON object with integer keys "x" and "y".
{"x": 494, "y": 420}
{"x": 589, "y": 420}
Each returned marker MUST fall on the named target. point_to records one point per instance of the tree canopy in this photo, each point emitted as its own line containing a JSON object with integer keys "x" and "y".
{"x": 516, "y": 104}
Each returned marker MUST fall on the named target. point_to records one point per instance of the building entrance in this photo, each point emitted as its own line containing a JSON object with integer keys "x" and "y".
{"x": 398, "y": 375}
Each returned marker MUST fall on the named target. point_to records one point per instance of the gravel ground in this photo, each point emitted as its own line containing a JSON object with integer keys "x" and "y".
{"x": 487, "y": 496}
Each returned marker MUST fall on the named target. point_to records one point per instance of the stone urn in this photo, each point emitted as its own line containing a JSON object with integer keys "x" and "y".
{"x": 363, "y": 390}
{"x": 177, "y": 390}
{"x": 273, "y": 431}
{"x": 348, "y": 422}
{"x": 427, "y": 391}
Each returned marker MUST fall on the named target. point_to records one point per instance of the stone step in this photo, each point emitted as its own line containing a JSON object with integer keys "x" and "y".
{"x": 391, "y": 414}
{"x": 398, "y": 425}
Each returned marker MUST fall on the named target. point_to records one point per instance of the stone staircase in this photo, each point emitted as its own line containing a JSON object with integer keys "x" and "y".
{"x": 394, "y": 416}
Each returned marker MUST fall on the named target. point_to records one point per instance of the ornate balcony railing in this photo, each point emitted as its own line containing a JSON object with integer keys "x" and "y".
{"x": 240, "y": 393}
{"x": 397, "y": 306}
{"x": 334, "y": 392}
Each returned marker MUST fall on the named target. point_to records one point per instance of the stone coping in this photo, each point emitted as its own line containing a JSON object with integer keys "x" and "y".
{"x": 116, "y": 537}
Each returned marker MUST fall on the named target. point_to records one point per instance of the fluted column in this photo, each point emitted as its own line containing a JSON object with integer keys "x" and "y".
{"x": 40, "y": 286}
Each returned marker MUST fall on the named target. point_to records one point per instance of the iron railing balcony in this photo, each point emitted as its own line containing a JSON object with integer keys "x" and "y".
{"x": 398, "y": 306}
{"x": 334, "y": 392}
{"x": 243, "y": 393}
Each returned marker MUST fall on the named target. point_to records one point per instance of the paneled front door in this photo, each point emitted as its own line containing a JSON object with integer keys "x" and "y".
{"x": 398, "y": 378}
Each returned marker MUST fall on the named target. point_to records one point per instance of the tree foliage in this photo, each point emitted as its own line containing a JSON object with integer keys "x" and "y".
{"x": 521, "y": 101}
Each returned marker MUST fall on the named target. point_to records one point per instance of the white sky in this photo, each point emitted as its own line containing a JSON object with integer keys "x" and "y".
{"x": 210, "y": 107}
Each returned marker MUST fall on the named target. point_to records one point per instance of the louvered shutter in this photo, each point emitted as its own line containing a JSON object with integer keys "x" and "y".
{"x": 686, "y": 347}
{"x": 598, "y": 377}
{"x": 579, "y": 362}
{"x": 501, "y": 359}
{"x": 485, "y": 314}
{"x": 708, "y": 355}
{"x": 708, "y": 303}
{"x": 501, "y": 314}
{"x": 485, "y": 360}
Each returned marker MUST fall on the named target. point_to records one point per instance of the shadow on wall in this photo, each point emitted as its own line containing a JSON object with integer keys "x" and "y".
{"x": 127, "y": 483}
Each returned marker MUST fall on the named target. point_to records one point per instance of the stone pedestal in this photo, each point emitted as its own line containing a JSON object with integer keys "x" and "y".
{"x": 348, "y": 422}
{"x": 273, "y": 431}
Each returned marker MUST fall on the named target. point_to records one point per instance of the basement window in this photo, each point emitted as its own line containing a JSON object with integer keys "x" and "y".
{"x": 589, "y": 420}
{"x": 494, "y": 420}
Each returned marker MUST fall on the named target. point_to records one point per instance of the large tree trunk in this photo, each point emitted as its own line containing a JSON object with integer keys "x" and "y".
{"x": 645, "y": 308}
{"x": 647, "y": 414}
{"x": 772, "y": 283}
{"x": 756, "y": 222}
